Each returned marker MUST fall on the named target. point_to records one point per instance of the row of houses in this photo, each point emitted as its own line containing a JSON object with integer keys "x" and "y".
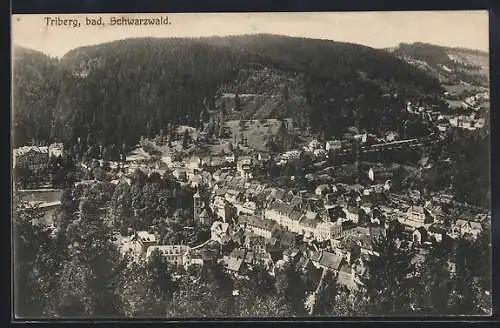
{"x": 320, "y": 149}
{"x": 417, "y": 220}
{"x": 346, "y": 271}
{"x": 308, "y": 223}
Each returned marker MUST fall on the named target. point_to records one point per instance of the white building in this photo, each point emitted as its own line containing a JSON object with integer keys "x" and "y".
{"x": 244, "y": 167}
{"x": 31, "y": 157}
{"x": 333, "y": 145}
{"x": 416, "y": 213}
{"x": 329, "y": 230}
{"x": 290, "y": 155}
{"x": 284, "y": 214}
{"x": 180, "y": 174}
{"x": 314, "y": 144}
{"x": 249, "y": 208}
{"x": 194, "y": 163}
{"x": 219, "y": 232}
{"x": 56, "y": 149}
{"x": 322, "y": 190}
{"x": 174, "y": 254}
{"x": 257, "y": 225}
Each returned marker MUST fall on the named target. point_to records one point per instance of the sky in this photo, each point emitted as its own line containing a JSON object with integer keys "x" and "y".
{"x": 467, "y": 29}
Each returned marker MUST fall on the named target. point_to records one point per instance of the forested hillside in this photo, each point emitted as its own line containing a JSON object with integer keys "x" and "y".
{"x": 35, "y": 87}
{"x": 449, "y": 65}
{"x": 115, "y": 92}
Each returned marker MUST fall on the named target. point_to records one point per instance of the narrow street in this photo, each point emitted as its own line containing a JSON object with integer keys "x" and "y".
{"x": 312, "y": 300}
{"x": 202, "y": 244}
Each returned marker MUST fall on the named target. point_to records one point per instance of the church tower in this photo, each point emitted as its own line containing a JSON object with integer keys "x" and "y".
{"x": 197, "y": 206}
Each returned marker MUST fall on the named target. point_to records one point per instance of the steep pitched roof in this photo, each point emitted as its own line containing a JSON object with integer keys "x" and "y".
{"x": 411, "y": 223}
{"x": 464, "y": 223}
{"x": 26, "y": 149}
{"x": 239, "y": 253}
{"x": 220, "y": 191}
{"x": 349, "y": 242}
{"x": 281, "y": 207}
{"x": 345, "y": 268}
{"x": 417, "y": 209}
{"x": 297, "y": 200}
{"x": 146, "y": 236}
{"x": 295, "y": 215}
{"x": 220, "y": 226}
{"x": 233, "y": 264}
{"x": 330, "y": 260}
{"x": 257, "y": 222}
{"x": 279, "y": 193}
{"x": 291, "y": 252}
{"x": 309, "y": 222}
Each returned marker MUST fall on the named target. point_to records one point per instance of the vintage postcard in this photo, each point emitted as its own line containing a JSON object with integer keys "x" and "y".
{"x": 251, "y": 165}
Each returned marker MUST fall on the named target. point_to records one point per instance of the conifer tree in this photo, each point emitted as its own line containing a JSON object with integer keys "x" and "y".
{"x": 390, "y": 285}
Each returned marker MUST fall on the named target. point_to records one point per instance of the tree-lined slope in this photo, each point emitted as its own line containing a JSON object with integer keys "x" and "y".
{"x": 113, "y": 93}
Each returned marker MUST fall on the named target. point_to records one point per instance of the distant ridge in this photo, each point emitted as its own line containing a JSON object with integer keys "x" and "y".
{"x": 117, "y": 91}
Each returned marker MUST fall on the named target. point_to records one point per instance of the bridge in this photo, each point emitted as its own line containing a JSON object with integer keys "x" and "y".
{"x": 393, "y": 145}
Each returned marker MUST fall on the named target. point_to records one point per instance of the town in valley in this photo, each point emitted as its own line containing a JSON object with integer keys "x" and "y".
{"x": 253, "y": 201}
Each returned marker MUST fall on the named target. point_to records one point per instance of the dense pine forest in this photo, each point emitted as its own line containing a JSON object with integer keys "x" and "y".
{"x": 450, "y": 65}
{"x": 113, "y": 93}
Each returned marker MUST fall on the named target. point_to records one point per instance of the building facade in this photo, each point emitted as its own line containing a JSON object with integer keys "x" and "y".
{"x": 31, "y": 157}
{"x": 173, "y": 254}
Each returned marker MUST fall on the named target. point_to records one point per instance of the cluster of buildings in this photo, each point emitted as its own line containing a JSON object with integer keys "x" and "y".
{"x": 444, "y": 122}
{"x": 468, "y": 122}
{"x": 328, "y": 226}
{"x": 336, "y": 224}
{"x": 142, "y": 244}
{"x": 478, "y": 100}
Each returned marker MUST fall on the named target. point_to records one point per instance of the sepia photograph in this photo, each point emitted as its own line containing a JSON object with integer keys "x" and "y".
{"x": 251, "y": 165}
